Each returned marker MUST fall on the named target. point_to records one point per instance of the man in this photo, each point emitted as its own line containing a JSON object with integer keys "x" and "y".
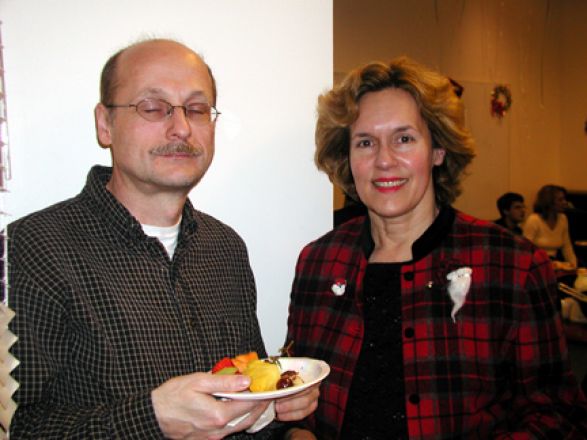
{"x": 125, "y": 296}
{"x": 512, "y": 212}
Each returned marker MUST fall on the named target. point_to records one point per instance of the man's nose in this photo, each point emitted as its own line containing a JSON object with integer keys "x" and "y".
{"x": 179, "y": 123}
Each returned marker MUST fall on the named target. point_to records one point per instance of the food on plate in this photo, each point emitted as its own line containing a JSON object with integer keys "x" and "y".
{"x": 242, "y": 360}
{"x": 224, "y": 366}
{"x": 265, "y": 374}
{"x": 289, "y": 379}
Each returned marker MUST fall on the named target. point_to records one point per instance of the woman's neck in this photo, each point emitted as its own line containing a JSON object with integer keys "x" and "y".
{"x": 393, "y": 237}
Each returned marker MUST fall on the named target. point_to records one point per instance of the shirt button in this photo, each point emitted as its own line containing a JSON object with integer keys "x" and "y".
{"x": 409, "y": 332}
{"x": 414, "y": 398}
{"x": 409, "y": 276}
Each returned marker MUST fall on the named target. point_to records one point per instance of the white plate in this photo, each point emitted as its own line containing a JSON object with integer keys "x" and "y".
{"x": 311, "y": 371}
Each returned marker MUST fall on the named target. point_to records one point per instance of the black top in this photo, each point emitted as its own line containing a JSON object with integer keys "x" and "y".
{"x": 375, "y": 407}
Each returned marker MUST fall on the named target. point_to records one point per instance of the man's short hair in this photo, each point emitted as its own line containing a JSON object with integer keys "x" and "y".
{"x": 504, "y": 203}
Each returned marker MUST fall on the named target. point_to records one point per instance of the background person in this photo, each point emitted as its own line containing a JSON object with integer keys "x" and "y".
{"x": 125, "y": 295}
{"x": 511, "y": 211}
{"x": 435, "y": 324}
{"x": 548, "y": 228}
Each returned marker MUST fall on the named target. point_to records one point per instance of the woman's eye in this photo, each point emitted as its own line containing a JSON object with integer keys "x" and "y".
{"x": 363, "y": 143}
{"x": 405, "y": 138}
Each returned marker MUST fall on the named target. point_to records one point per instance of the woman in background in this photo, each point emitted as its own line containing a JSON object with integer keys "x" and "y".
{"x": 435, "y": 324}
{"x": 548, "y": 227}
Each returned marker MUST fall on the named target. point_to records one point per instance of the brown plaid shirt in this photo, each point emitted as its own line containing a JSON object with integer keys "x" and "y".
{"x": 500, "y": 370}
{"x": 103, "y": 316}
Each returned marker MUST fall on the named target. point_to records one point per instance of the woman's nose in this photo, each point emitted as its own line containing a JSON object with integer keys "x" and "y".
{"x": 385, "y": 156}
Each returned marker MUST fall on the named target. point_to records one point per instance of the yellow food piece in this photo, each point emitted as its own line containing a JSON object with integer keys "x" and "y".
{"x": 264, "y": 375}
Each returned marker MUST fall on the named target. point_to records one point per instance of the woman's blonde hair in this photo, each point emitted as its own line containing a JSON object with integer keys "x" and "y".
{"x": 440, "y": 107}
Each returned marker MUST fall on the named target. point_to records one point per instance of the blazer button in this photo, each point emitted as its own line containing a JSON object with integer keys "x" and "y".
{"x": 409, "y": 276}
{"x": 414, "y": 398}
{"x": 409, "y": 332}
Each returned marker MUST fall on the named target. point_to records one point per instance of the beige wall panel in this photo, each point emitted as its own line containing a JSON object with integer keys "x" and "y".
{"x": 536, "y": 47}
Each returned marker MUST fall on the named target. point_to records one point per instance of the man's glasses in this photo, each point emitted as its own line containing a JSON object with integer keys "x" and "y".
{"x": 157, "y": 110}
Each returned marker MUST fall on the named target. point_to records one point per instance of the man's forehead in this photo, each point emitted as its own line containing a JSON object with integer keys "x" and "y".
{"x": 142, "y": 65}
{"x": 158, "y": 92}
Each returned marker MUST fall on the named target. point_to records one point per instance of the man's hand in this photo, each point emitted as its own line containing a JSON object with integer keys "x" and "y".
{"x": 185, "y": 408}
{"x": 563, "y": 265}
{"x": 298, "y": 406}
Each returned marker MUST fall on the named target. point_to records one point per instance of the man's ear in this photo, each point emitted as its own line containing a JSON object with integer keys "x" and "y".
{"x": 102, "y": 119}
{"x": 438, "y": 156}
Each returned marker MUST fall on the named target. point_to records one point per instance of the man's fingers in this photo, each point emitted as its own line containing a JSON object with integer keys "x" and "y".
{"x": 298, "y": 406}
{"x": 217, "y": 383}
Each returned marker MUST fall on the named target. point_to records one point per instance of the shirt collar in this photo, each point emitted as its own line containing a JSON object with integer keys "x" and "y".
{"x": 429, "y": 240}
{"x": 115, "y": 215}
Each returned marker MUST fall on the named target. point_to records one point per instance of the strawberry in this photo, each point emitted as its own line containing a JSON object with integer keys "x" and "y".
{"x": 221, "y": 364}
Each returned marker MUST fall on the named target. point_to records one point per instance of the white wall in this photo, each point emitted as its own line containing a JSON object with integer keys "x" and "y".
{"x": 271, "y": 60}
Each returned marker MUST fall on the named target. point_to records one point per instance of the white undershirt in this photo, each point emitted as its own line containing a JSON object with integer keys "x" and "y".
{"x": 167, "y": 235}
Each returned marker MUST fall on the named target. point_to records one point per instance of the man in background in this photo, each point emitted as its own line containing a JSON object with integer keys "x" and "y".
{"x": 512, "y": 212}
{"x": 125, "y": 295}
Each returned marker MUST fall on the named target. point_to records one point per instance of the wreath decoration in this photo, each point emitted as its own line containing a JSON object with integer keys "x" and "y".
{"x": 501, "y": 100}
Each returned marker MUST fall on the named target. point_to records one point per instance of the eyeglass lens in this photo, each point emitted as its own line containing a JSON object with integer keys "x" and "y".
{"x": 156, "y": 110}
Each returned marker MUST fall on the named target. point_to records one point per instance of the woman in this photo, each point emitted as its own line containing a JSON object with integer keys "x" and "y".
{"x": 435, "y": 324}
{"x": 548, "y": 227}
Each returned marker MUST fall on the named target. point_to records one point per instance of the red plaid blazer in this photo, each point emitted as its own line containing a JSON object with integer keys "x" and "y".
{"x": 500, "y": 370}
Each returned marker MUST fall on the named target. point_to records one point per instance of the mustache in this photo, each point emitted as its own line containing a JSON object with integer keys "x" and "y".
{"x": 180, "y": 147}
